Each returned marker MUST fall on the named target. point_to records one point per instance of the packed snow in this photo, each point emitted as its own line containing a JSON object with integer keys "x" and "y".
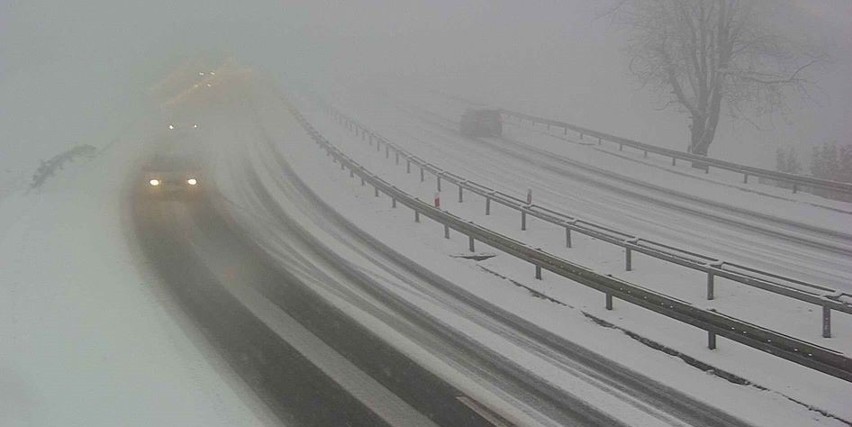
{"x": 424, "y": 243}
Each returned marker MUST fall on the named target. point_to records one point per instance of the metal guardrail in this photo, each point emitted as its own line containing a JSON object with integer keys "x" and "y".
{"x": 797, "y": 181}
{"x": 827, "y": 298}
{"x": 795, "y": 350}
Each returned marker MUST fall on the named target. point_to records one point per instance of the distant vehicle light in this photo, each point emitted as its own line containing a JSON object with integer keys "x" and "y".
{"x": 200, "y": 74}
{"x": 195, "y": 126}
{"x": 212, "y": 73}
{"x": 209, "y": 85}
{"x": 171, "y": 127}
{"x": 192, "y": 181}
{"x": 154, "y": 182}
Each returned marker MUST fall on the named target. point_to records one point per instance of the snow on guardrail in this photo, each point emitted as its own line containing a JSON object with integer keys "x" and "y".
{"x": 793, "y": 349}
{"x": 786, "y": 286}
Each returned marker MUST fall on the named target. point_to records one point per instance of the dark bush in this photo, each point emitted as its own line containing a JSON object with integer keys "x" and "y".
{"x": 48, "y": 168}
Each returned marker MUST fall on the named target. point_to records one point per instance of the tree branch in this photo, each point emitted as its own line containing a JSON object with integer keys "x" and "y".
{"x": 752, "y": 75}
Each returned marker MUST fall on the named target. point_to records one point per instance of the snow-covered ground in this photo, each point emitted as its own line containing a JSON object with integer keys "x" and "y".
{"x": 751, "y": 304}
{"x": 424, "y": 243}
{"x": 439, "y": 142}
{"x": 632, "y": 163}
{"x": 87, "y": 335}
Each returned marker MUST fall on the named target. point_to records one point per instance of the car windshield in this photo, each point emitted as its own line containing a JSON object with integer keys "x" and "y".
{"x": 173, "y": 162}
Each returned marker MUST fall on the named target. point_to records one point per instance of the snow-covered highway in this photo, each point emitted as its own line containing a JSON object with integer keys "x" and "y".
{"x": 804, "y": 242}
{"x": 318, "y": 306}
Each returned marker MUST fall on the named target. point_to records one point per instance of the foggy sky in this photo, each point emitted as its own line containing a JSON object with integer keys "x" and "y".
{"x": 75, "y": 72}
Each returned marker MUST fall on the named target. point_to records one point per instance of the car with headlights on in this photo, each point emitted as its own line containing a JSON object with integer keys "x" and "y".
{"x": 172, "y": 175}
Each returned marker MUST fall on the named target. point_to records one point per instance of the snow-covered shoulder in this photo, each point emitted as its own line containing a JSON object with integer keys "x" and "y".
{"x": 86, "y": 338}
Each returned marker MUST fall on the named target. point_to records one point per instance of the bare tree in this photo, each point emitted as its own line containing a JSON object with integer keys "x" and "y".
{"x": 703, "y": 54}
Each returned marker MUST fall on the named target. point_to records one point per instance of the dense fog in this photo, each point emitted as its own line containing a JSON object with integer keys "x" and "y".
{"x": 76, "y": 72}
{"x": 209, "y": 260}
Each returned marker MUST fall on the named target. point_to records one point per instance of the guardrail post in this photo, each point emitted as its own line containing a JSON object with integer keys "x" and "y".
{"x": 376, "y": 191}
{"x": 674, "y": 161}
{"x": 567, "y": 237}
{"x": 416, "y": 216}
{"x": 745, "y": 178}
{"x": 487, "y": 205}
{"x": 710, "y": 286}
{"x": 439, "y": 183}
{"x": 826, "y": 322}
{"x": 351, "y": 173}
{"x": 387, "y": 151}
{"x": 608, "y": 300}
{"x": 646, "y": 154}
{"x": 446, "y": 231}
{"x": 393, "y": 202}
{"x": 711, "y": 340}
{"x": 523, "y": 221}
{"x": 362, "y": 181}
{"x": 470, "y": 244}
{"x": 397, "y": 157}
{"x": 628, "y": 259}
{"x": 422, "y": 177}
{"x": 408, "y": 166}
{"x": 378, "y": 145}
{"x": 795, "y": 187}
{"x": 538, "y": 272}
{"x": 461, "y": 198}
{"x": 371, "y": 140}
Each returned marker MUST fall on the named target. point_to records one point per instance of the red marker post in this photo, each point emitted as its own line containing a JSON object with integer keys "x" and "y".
{"x": 529, "y": 196}
{"x": 438, "y": 200}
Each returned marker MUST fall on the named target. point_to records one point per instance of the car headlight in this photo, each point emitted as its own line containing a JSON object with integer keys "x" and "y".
{"x": 192, "y": 181}
{"x": 154, "y": 182}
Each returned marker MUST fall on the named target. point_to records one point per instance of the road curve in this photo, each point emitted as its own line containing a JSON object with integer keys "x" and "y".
{"x": 680, "y": 409}
{"x": 171, "y": 233}
{"x": 207, "y": 256}
{"x": 821, "y": 259}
